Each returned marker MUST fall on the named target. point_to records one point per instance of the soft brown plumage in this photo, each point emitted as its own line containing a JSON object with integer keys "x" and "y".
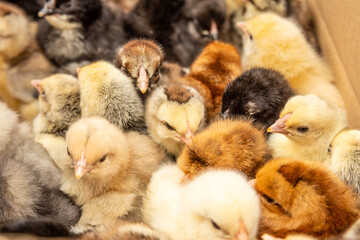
{"x": 299, "y": 196}
{"x": 230, "y": 144}
{"x": 112, "y": 170}
{"x": 217, "y": 65}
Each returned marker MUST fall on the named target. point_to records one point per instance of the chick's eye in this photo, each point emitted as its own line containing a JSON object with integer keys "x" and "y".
{"x": 103, "y": 158}
{"x": 125, "y": 70}
{"x": 168, "y": 126}
{"x": 68, "y": 152}
{"x": 251, "y": 37}
{"x": 269, "y": 199}
{"x": 302, "y": 129}
{"x": 215, "y": 225}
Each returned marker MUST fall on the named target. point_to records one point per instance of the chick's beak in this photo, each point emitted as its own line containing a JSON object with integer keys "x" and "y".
{"x": 188, "y": 137}
{"x": 142, "y": 80}
{"x": 242, "y": 233}
{"x": 214, "y": 31}
{"x": 47, "y": 9}
{"x": 36, "y": 84}
{"x": 280, "y": 125}
{"x": 225, "y": 114}
{"x": 186, "y": 178}
{"x": 81, "y": 167}
{"x": 243, "y": 28}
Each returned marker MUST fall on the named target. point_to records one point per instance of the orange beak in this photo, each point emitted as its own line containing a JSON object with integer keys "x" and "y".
{"x": 77, "y": 70}
{"x": 189, "y": 135}
{"x": 242, "y": 26}
{"x": 143, "y": 80}
{"x": 81, "y": 167}
{"x": 242, "y": 233}
{"x": 252, "y": 182}
{"x": 214, "y": 32}
{"x": 280, "y": 125}
{"x": 36, "y": 84}
{"x": 186, "y": 178}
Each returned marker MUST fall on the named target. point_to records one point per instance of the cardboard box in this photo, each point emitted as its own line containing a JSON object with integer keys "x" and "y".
{"x": 338, "y": 31}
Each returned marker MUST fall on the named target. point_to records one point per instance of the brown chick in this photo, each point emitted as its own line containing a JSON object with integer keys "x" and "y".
{"x": 230, "y": 144}
{"x": 274, "y": 42}
{"x": 217, "y": 65}
{"x": 107, "y": 92}
{"x": 108, "y": 171}
{"x": 174, "y": 113}
{"x": 141, "y": 60}
{"x": 123, "y": 230}
{"x": 303, "y": 197}
{"x": 59, "y": 107}
{"x": 305, "y": 128}
{"x": 20, "y": 60}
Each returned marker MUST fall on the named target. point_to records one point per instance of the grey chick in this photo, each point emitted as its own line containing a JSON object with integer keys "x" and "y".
{"x": 107, "y": 92}
{"x": 29, "y": 180}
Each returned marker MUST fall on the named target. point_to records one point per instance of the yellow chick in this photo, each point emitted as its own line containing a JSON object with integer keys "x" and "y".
{"x": 305, "y": 129}
{"x": 108, "y": 172}
{"x": 277, "y": 43}
{"x": 344, "y": 159}
{"x": 107, "y": 92}
{"x": 174, "y": 113}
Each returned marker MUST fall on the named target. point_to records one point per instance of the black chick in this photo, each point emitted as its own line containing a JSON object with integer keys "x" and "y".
{"x": 76, "y": 32}
{"x": 259, "y": 93}
{"x": 200, "y": 22}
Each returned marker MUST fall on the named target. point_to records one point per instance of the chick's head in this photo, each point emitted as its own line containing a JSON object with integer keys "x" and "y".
{"x": 346, "y": 146}
{"x": 174, "y": 113}
{"x": 220, "y": 205}
{"x": 230, "y": 144}
{"x": 59, "y": 97}
{"x": 309, "y": 118}
{"x": 98, "y": 149}
{"x": 303, "y": 197}
{"x": 15, "y": 31}
{"x": 141, "y": 60}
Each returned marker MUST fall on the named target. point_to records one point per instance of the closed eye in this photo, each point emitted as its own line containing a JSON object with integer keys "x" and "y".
{"x": 270, "y": 200}
{"x": 168, "y": 126}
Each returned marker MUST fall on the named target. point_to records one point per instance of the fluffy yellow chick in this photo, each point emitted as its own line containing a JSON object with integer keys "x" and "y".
{"x": 277, "y": 43}
{"x": 305, "y": 129}
{"x": 109, "y": 171}
{"x": 174, "y": 113}
{"x": 344, "y": 159}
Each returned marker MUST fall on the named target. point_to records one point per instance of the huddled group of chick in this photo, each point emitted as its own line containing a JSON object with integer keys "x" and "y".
{"x": 181, "y": 119}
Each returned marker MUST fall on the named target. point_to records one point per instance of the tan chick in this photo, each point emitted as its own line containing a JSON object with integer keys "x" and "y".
{"x": 277, "y": 43}
{"x": 344, "y": 159}
{"x": 20, "y": 61}
{"x": 217, "y": 65}
{"x": 174, "y": 113}
{"x": 299, "y": 196}
{"x": 305, "y": 129}
{"x": 107, "y": 92}
{"x": 108, "y": 172}
{"x": 59, "y": 107}
{"x": 141, "y": 60}
{"x": 225, "y": 144}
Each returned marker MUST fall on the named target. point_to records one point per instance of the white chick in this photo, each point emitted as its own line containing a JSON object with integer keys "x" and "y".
{"x": 174, "y": 113}
{"x": 218, "y": 204}
{"x": 305, "y": 129}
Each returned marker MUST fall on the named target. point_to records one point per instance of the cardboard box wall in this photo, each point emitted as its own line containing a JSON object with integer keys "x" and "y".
{"x": 338, "y": 31}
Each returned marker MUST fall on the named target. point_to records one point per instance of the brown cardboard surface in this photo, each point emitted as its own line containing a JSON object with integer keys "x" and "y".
{"x": 338, "y": 30}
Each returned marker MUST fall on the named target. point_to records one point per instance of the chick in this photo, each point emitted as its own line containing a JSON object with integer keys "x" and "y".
{"x": 217, "y": 65}
{"x": 106, "y": 173}
{"x": 305, "y": 129}
{"x": 174, "y": 113}
{"x": 107, "y": 92}
{"x": 59, "y": 106}
{"x": 141, "y": 60}
{"x": 20, "y": 60}
{"x": 288, "y": 53}
{"x": 345, "y": 159}
{"x": 74, "y": 31}
{"x": 218, "y": 204}
{"x": 230, "y": 144}
{"x": 29, "y": 185}
{"x": 299, "y": 196}
{"x": 123, "y": 230}
{"x": 259, "y": 93}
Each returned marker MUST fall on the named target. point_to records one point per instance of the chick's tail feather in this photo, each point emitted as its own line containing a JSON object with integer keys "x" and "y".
{"x": 37, "y": 227}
